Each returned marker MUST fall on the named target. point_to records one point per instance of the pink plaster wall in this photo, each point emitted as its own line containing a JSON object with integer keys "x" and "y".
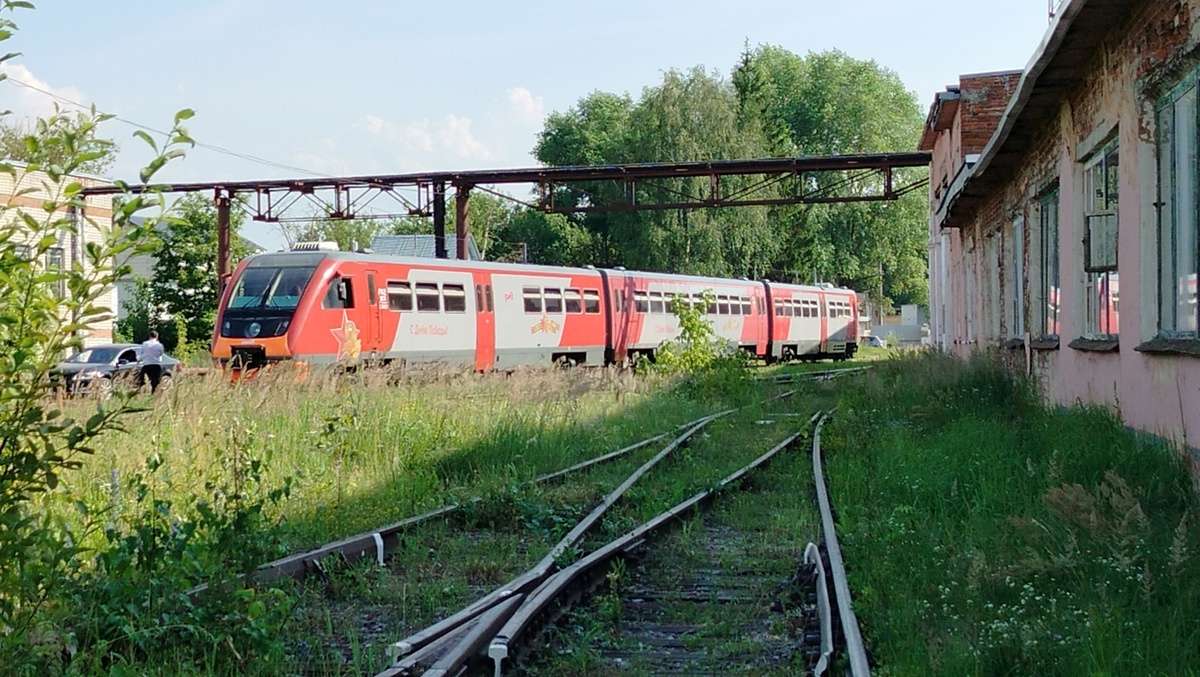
{"x": 1153, "y": 392}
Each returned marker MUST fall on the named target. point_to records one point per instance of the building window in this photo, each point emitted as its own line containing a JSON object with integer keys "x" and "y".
{"x": 1179, "y": 249}
{"x": 55, "y": 262}
{"x": 1014, "y": 278}
{"x": 1101, "y": 291}
{"x": 1048, "y": 284}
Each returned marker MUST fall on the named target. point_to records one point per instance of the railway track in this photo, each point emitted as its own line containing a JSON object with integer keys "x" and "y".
{"x": 791, "y": 618}
{"x": 468, "y": 639}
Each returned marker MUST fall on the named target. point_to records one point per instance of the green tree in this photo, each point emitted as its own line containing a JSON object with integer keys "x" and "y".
{"x": 830, "y": 103}
{"x": 55, "y": 141}
{"x": 38, "y": 324}
{"x": 185, "y": 272}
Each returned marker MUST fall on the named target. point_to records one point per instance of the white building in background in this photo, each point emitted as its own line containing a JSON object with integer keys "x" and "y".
{"x": 29, "y": 191}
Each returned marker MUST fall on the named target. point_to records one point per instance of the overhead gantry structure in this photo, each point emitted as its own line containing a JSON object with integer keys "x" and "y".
{"x": 636, "y": 187}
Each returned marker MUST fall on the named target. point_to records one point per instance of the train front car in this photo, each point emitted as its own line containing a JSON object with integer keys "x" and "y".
{"x": 262, "y": 307}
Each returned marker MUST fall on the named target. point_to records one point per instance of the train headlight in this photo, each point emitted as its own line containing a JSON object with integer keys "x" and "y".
{"x": 284, "y": 325}
{"x": 253, "y": 329}
{"x": 225, "y": 328}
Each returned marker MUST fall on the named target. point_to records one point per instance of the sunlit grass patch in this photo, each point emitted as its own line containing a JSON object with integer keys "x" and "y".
{"x": 989, "y": 534}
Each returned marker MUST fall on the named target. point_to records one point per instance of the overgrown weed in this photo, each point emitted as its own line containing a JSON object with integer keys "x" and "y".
{"x": 991, "y": 534}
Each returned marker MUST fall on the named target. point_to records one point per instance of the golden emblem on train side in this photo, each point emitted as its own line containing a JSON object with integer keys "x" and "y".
{"x": 546, "y": 325}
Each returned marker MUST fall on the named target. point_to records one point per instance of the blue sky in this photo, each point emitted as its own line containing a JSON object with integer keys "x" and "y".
{"x": 336, "y": 88}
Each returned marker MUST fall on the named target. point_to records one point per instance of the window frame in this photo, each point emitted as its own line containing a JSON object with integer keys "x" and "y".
{"x": 1049, "y": 276}
{"x": 436, "y": 294}
{"x": 1100, "y": 302}
{"x": 393, "y": 287}
{"x": 1169, "y": 273}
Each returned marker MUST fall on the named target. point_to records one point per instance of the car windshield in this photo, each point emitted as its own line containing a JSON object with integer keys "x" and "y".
{"x": 270, "y": 287}
{"x": 96, "y": 355}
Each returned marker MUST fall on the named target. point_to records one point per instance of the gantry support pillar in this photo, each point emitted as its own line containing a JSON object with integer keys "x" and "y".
{"x": 461, "y": 214}
{"x": 224, "y": 269}
{"x": 439, "y": 220}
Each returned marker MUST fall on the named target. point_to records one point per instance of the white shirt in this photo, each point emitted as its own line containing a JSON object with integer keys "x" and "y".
{"x": 152, "y": 352}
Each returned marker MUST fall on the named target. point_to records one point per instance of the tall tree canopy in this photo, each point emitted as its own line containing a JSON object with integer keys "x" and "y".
{"x": 775, "y": 103}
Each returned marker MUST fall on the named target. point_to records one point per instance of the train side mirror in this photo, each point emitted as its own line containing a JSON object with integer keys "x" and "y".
{"x": 341, "y": 289}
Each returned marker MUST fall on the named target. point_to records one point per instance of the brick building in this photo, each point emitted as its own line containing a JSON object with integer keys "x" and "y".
{"x": 28, "y": 191}
{"x": 1064, "y": 212}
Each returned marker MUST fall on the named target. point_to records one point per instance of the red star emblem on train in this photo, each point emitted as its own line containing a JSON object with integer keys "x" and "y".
{"x": 349, "y": 345}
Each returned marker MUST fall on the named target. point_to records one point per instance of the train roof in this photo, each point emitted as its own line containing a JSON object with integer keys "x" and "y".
{"x": 312, "y": 258}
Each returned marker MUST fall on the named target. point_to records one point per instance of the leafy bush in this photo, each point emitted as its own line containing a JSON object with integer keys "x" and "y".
{"x": 710, "y": 367}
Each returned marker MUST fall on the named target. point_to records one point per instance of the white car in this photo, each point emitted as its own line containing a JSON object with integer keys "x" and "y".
{"x": 874, "y": 341}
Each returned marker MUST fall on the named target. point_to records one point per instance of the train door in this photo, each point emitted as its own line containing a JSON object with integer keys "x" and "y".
{"x": 376, "y": 299}
{"x": 823, "y": 310}
{"x": 761, "y": 322}
{"x": 485, "y": 322}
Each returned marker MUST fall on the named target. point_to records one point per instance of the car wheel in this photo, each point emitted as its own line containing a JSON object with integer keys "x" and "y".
{"x": 103, "y": 387}
{"x": 166, "y": 382}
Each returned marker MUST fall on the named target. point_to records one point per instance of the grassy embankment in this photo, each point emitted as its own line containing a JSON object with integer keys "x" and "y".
{"x": 989, "y": 535}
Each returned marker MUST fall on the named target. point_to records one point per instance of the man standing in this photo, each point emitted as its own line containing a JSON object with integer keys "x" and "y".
{"x": 152, "y": 361}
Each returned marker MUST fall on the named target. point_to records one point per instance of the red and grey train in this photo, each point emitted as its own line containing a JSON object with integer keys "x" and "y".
{"x": 325, "y": 307}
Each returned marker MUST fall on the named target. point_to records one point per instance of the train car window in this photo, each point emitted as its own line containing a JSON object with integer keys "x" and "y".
{"x": 554, "y": 302}
{"x": 778, "y": 307}
{"x": 479, "y": 298}
{"x": 656, "y": 302}
{"x": 722, "y": 305}
{"x": 712, "y": 306}
{"x": 669, "y": 304}
{"x": 428, "y": 299}
{"x": 591, "y": 301}
{"x": 399, "y": 295}
{"x": 640, "y": 304}
{"x": 487, "y": 289}
{"x": 340, "y": 294}
{"x": 746, "y": 306}
{"x": 370, "y": 289}
{"x": 572, "y": 301}
{"x": 454, "y": 298}
{"x": 533, "y": 299}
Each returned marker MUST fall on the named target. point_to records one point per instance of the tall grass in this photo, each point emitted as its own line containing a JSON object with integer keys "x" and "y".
{"x": 990, "y": 535}
{"x": 362, "y": 450}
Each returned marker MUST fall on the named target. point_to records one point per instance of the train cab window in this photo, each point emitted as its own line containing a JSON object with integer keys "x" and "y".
{"x": 554, "y": 300}
{"x": 340, "y": 294}
{"x": 746, "y": 310}
{"x": 656, "y": 302}
{"x": 454, "y": 298}
{"x": 533, "y": 299}
{"x": 722, "y": 305}
{"x": 591, "y": 301}
{"x": 572, "y": 301}
{"x": 428, "y": 299}
{"x": 399, "y": 295}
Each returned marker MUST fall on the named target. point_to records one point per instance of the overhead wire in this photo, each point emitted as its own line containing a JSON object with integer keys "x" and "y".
{"x": 207, "y": 146}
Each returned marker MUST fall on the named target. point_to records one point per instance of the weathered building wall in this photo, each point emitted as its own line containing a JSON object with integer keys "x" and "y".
{"x": 979, "y": 269}
{"x": 28, "y": 191}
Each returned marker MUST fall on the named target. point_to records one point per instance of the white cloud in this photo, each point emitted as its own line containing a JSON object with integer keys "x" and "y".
{"x": 31, "y": 103}
{"x": 528, "y": 107}
{"x": 455, "y": 135}
{"x": 450, "y": 136}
